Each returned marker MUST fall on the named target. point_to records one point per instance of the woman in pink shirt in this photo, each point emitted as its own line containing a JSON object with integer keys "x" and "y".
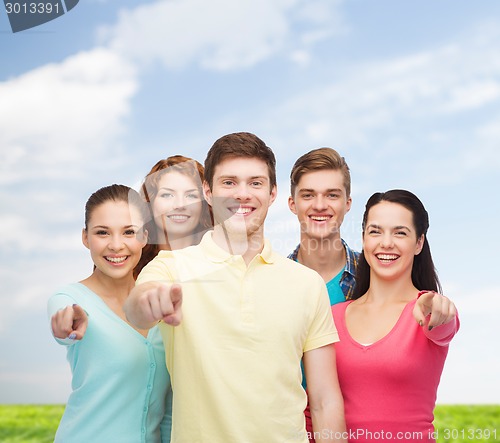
{"x": 394, "y": 335}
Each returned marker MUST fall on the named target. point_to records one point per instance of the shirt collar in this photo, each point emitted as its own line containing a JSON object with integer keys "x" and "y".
{"x": 351, "y": 259}
{"x": 267, "y": 252}
{"x": 218, "y": 255}
{"x": 293, "y": 255}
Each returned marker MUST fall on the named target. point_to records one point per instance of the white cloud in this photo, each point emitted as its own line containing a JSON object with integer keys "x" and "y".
{"x": 446, "y": 99}
{"x": 379, "y": 93}
{"x": 27, "y": 234}
{"x": 55, "y": 117}
{"x": 221, "y": 34}
{"x": 488, "y": 149}
{"x": 28, "y": 281}
{"x": 473, "y": 95}
{"x": 62, "y": 122}
{"x": 300, "y": 57}
{"x": 321, "y": 12}
{"x": 41, "y": 215}
{"x": 20, "y": 236}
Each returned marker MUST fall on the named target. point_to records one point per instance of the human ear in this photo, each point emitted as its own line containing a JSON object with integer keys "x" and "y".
{"x": 144, "y": 237}
{"x": 274, "y": 193}
{"x": 291, "y": 205}
{"x": 85, "y": 238}
{"x": 420, "y": 244}
{"x": 207, "y": 193}
{"x": 348, "y": 204}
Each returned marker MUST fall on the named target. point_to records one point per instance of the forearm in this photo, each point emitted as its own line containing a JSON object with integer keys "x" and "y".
{"x": 328, "y": 422}
{"x": 325, "y": 398}
{"x": 443, "y": 334}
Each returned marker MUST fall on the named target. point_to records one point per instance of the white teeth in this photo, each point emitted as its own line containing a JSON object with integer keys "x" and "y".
{"x": 389, "y": 257}
{"x": 242, "y": 210}
{"x": 178, "y": 217}
{"x": 318, "y": 218}
{"x": 116, "y": 259}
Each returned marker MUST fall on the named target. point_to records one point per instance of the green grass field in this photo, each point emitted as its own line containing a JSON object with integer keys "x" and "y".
{"x": 29, "y": 424}
{"x": 37, "y": 424}
{"x": 467, "y": 423}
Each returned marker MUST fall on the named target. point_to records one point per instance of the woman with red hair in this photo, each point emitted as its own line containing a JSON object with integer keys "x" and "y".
{"x": 179, "y": 213}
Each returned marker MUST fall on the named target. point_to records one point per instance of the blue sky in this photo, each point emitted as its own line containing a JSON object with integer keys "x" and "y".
{"x": 408, "y": 92}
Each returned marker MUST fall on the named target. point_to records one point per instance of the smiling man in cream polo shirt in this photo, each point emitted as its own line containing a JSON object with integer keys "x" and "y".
{"x": 237, "y": 318}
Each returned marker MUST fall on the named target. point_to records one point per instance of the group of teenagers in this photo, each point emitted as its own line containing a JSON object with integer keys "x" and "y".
{"x": 191, "y": 329}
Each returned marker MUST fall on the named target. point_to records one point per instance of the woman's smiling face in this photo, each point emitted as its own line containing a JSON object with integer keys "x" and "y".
{"x": 390, "y": 241}
{"x": 177, "y": 205}
{"x": 114, "y": 238}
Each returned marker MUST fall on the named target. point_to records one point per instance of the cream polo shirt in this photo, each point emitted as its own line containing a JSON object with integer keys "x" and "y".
{"x": 235, "y": 359}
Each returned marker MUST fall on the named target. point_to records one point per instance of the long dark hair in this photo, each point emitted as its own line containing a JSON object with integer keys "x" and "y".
{"x": 423, "y": 273}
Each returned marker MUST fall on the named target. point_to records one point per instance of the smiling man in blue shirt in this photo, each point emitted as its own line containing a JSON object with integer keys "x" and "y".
{"x": 320, "y": 184}
{"x": 320, "y": 198}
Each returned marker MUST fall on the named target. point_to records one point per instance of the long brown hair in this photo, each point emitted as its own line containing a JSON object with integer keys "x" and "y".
{"x": 149, "y": 190}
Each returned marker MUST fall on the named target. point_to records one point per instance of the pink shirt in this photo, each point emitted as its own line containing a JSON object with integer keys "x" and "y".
{"x": 390, "y": 386}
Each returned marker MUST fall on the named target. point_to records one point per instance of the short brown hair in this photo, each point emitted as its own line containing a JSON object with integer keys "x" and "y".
{"x": 239, "y": 144}
{"x": 319, "y": 160}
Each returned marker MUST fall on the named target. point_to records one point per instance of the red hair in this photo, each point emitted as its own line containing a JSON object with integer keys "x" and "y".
{"x": 149, "y": 190}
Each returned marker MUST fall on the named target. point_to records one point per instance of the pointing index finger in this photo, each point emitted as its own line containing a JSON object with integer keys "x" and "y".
{"x": 425, "y": 299}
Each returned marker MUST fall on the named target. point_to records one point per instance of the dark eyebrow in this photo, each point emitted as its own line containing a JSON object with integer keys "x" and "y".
{"x": 402, "y": 227}
{"x": 326, "y": 190}
{"x": 395, "y": 228}
{"x": 107, "y": 227}
{"x": 234, "y": 177}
